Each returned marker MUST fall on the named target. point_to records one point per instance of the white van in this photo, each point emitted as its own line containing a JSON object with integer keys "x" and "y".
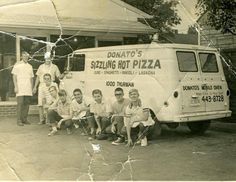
{"x": 178, "y": 82}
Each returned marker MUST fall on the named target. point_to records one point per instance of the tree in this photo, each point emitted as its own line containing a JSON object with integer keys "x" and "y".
{"x": 163, "y": 12}
{"x": 221, "y": 14}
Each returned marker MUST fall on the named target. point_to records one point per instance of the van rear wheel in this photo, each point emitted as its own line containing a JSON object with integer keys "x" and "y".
{"x": 198, "y": 127}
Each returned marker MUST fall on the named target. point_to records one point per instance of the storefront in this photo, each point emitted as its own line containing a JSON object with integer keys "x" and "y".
{"x": 62, "y": 26}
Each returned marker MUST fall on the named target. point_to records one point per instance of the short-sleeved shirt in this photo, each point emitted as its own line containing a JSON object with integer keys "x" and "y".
{"x": 136, "y": 112}
{"x": 45, "y": 92}
{"x": 118, "y": 108}
{"x": 76, "y": 107}
{"x": 64, "y": 110}
{"x": 100, "y": 109}
{"x": 52, "y": 69}
{"x": 24, "y": 73}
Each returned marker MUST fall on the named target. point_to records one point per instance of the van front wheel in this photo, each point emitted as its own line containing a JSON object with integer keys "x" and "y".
{"x": 198, "y": 127}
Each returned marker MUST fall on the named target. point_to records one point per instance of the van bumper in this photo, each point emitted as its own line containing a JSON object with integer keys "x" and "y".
{"x": 202, "y": 116}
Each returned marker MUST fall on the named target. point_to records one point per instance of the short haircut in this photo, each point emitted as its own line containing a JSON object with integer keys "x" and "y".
{"x": 118, "y": 89}
{"x": 54, "y": 87}
{"x": 24, "y": 52}
{"x": 47, "y": 74}
{"x": 77, "y": 90}
{"x": 96, "y": 91}
{"x": 133, "y": 90}
{"x": 62, "y": 92}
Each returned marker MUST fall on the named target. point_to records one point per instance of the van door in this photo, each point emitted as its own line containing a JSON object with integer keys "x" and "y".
{"x": 214, "y": 83}
{"x": 190, "y": 82}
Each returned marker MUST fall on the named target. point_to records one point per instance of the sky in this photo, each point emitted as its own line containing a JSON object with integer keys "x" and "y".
{"x": 187, "y": 12}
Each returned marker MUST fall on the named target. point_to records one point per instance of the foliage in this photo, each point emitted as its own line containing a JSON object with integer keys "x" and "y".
{"x": 163, "y": 12}
{"x": 221, "y": 14}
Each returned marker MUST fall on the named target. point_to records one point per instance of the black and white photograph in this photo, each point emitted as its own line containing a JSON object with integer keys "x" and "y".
{"x": 117, "y": 90}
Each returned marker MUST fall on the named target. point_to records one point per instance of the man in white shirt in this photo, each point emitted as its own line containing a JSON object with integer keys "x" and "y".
{"x": 50, "y": 68}
{"x": 46, "y": 96}
{"x": 23, "y": 83}
{"x": 101, "y": 110}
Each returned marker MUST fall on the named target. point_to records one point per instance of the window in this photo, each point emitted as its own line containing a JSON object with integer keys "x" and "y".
{"x": 77, "y": 62}
{"x": 187, "y": 61}
{"x": 208, "y": 62}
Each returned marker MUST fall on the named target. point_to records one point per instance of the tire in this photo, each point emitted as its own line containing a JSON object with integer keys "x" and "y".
{"x": 198, "y": 127}
{"x": 172, "y": 125}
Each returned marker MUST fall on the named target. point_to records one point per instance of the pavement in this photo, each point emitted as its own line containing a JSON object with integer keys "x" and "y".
{"x": 27, "y": 153}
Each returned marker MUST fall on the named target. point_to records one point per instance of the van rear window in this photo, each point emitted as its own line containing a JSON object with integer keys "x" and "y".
{"x": 208, "y": 62}
{"x": 77, "y": 62}
{"x": 186, "y": 61}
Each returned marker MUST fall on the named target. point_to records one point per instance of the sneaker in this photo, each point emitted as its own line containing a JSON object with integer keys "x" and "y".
{"x": 41, "y": 122}
{"x": 68, "y": 131}
{"x": 144, "y": 142}
{"x": 53, "y": 132}
{"x": 111, "y": 138}
{"x": 76, "y": 126}
{"x": 26, "y": 122}
{"x": 20, "y": 124}
{"x": 138, "y": 142}
{"x": 83, "y": 134}
{"x": 118, "y": 141}
{"x": 101, "y": 136}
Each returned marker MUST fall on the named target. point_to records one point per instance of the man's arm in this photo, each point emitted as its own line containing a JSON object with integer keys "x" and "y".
{"x": 15, "y": 83}
{"x": 36, "y": 85}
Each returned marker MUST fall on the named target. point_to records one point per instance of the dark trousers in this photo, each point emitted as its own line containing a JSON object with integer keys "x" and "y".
{"x": 119, "y": 120}
{"x": 139, "y": 132}
{"x": 23, "y": 103}
{"x": 104, "y": 122}
{"x": 54, "y": 117}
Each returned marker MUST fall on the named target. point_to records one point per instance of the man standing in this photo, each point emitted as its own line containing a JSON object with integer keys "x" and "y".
{"x": 23, "y": 83}
{"x": 50, "y": 68}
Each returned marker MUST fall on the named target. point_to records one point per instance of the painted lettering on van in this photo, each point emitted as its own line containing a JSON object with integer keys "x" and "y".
{"x": 146, "y": 64}
{"x": 119, "y": 84}
{"x": 126, "y": 64}
{"x": 103, "y": 64}
{"x": 191, "y": 87}
{"x": 125, "y": 54}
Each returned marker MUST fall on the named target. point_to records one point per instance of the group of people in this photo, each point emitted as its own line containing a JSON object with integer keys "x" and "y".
{"x": 124, "y": 120}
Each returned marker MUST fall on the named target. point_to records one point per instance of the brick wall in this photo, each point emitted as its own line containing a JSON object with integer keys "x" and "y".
{"x": 7, "y": 109}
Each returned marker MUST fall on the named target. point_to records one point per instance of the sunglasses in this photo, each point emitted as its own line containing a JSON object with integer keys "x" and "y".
{"x": 118, "y": 94}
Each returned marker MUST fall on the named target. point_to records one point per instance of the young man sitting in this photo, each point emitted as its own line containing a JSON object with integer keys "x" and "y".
{"x": 60, "y": 113}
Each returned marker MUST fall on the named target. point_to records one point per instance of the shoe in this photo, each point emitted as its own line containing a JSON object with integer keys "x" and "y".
{"x": 26, "y": 122}
{"x": 83, "y": 134}
{"x": 76, "y": 126}
{"x": 112, "y": 138}
{"x": 68, "y": 131}
{"x": 41, "y": 122}
{"x": 138, "y": 142}
{"x": 20, "y": 124}
{"x": 118, "y": 141}
{"x": 53, "y": 132}
{"x": 144, "y": 142}
{"x": 101, "y": 137}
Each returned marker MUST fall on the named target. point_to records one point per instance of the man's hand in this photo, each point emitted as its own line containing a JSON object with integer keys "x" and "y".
{"x": 59, "y": 123}
{"x": 98, "y": 131}
{"x": 16, "y": 89}
{"x": 34, "y": 90}
{"x": 129, "y": 143}
{"x": 113, "y": 128}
